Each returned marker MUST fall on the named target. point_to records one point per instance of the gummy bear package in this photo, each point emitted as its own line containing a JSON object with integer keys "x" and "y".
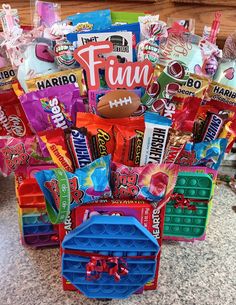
{"x": 87, "y": 184}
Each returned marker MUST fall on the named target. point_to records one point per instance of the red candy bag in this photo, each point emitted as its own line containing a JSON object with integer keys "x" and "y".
{"x": 13, "y": 121}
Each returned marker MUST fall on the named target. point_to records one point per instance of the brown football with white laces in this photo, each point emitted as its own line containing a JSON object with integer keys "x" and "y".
{"x": 118, "y": 104}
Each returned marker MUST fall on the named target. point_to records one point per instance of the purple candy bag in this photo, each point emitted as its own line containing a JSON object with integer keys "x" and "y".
{"x": 52, "y": 107}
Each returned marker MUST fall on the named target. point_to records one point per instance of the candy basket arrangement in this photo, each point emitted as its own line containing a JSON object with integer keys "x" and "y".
{"x": 115, "y": 125}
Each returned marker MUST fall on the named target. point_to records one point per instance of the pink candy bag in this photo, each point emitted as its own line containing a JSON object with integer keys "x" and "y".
{"x": 16, "y": 153}
{"x": 152, "y": 182}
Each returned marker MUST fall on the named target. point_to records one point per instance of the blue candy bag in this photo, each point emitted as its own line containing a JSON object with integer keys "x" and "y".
{"x": 210, "y": 154}
{"x": 96, "y": 20}
{"x": 87, "y": 184}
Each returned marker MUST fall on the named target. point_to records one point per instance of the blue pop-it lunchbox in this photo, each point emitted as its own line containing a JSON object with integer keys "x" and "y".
{"x": 184, "y": 222}
{"x": 111, "y": 236}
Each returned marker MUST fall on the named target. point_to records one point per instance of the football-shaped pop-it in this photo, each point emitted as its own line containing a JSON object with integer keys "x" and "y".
{"x": 118, "y": 104}
{"x": 184, "y": 222}
{"x": 113, "y": 236}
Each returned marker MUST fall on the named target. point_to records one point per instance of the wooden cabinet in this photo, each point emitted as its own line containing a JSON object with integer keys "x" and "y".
{"x": 197, "y": 9}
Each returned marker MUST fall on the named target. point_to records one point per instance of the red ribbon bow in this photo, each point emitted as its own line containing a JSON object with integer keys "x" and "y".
{"x": 182, "y": 202}
{"x": 114, "y": 266}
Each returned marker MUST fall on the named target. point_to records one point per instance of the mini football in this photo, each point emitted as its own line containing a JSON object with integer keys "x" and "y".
{"x": 176, "y": 70}
{"x": 118, "y": 104}
{"x": 159, "y": 106}
{"x": 172, "y": 89}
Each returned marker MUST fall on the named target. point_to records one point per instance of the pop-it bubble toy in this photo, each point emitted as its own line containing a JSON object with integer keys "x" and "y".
{"x": 185, "y": 222}
{"x": 114, "y": 237}
{"x": 36, "y": 229}
{"x": 30, "y": 195}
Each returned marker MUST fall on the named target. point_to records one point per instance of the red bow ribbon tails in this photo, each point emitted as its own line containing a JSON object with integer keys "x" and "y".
{"x": 182, "y": 202}
{"x": 114, "y": 266}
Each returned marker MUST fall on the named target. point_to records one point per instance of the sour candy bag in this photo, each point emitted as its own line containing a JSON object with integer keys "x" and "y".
{"x": 54, "y": 107}
{"x": 87, "y": 184}
{"x": 152, "y": 182}
{"x": 16, "y": 153}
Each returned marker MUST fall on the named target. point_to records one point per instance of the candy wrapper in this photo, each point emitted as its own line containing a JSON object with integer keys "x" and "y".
{"x": 64, "y": 56}
{"x": 221, "y": 101}
{"x": 195, "y": 86}
{"x": 155, "y": 137}
{"x": 129, "y": 139}
{"x": 209, "y": 154}
{"x": 165, "y": 86}
{"x": 13, "y": 121}
{"x": 119, "y": 18}
{"x": 79, "y": 147}
{"x": 183, "y": 114}
{"x": 121, "y": 137}
{"x": 75, "y": 76}
{"x": 176, "y": 141}
{"x": 18, "y": 153}
{"x": 100, "y": 133}
{"x": 87, "y": 184}
{"x": 225, "y": 74}
{"x": 226, "y": 71}
{"x": 56, "y": 145}
{"x": 152, "y": 182}
{"x": 152, "y": 30}
{"x": 52, "y": 107}
{"x": 7, "y": 76}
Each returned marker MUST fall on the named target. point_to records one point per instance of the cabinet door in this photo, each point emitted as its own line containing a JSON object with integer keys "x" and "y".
{"x": 210, "y": 2}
